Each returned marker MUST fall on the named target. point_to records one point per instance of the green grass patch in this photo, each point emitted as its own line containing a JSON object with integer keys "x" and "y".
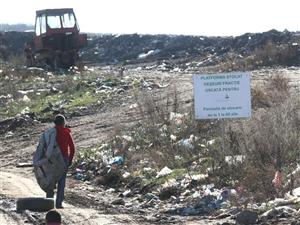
{"x": 75, "y": 91}
{"x": 38, "y": 104}
{"x": 82, "y": 99}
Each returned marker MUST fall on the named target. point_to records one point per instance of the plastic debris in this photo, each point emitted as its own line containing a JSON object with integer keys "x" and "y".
{"x": 126, "y": 193}
{"x": 80, "y": 176}
{"x": 296, "y": 192}
{"x": 196, "y": 195}
{"x": 25, "y": 110}
{"x": 173, "y": 137}
{"x": 126, "y": 175}
{"x": 205, "y": 205}
{"x": 199, "y": 177}
{"x": 176, "y": 118}
{"x": 133, "y": 106}
{"x": 165, "y": 171}
{"x": 233, "y": 160}
{"x": 118, "y": 160}
{"x": 277, "y": 180}
{"x": 26, "y": 98}
{"x": 127, "y": 138}
{"x": 278, "y": 212}
{"x": 187, "y": 144}
{"x": 211, "y": 142}
{"x": 150, "y": 196}
{"x": 111, "y": 190}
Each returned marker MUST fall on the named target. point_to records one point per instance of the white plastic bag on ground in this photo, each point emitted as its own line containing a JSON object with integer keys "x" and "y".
{"x": 165, "y": 171}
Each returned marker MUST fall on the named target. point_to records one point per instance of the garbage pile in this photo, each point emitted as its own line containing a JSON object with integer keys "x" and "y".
{"x": 12, "y": 43}
{"x": 164, "y": 50}
{"x": 186, "y": 191}
{"x": 184, "y": 196}
{"x": 135, "y": 48}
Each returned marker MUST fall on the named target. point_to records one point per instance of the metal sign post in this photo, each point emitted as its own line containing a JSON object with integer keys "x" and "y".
{"x": 223, "y": 137}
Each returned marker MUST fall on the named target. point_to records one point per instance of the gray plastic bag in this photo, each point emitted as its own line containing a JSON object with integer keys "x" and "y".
{"x": 48, "y": 161}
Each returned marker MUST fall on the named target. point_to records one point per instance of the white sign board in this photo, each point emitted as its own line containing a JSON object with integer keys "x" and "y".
{"x": 224, "y": 95}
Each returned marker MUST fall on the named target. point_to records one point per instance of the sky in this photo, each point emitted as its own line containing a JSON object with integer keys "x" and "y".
{"x": 187, "y": 17}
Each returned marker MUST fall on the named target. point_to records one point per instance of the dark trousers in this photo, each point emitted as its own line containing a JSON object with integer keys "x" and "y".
{"x": 60, "y": 188}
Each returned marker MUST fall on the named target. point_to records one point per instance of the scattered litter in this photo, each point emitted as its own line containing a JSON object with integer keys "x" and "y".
{"x": 126, "y": 175}
{"x": 133, "y": 106}
{"x": 118, "y": 160}
{"x": 165, "y": 171}
{"x": 233, "y": 160}
{"x": 80, "y": 176}
{"x": 211, "y": 142}
{"x": 22, "y": 93}
{"x": 199, "y": 177}
{"x": 25, "y": 110}
{"x": 278, "y": 212}
{"x": 150, "y": 196}
{"x": 110, "y": 190}
{"x": 126, "y": 193}
{"x": 128, "y": 138}
{"x": 26, "y": 98}
{"x": 206, "y": 205}
{"x": 187, "y": 144}
{"x": 149, "y": 53}
{"x": 277, "y": 180}
{"x": 173, "y": 137}
{"x": 176, "y": 118}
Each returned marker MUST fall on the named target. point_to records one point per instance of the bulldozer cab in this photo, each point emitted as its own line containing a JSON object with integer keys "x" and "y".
{"x": 51, "y": 21}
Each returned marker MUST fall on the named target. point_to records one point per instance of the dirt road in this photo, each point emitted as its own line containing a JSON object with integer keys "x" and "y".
{"x": 21, "y": 184}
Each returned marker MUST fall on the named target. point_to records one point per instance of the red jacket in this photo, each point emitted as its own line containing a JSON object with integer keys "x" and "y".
{"x": 65, "y": 142}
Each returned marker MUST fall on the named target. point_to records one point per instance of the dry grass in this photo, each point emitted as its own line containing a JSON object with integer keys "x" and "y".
{"x": 270, "y": 139}
{"x": 158, "y": 138}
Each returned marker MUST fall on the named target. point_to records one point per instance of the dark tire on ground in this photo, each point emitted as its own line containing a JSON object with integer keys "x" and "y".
{"x": 35, "y": 204}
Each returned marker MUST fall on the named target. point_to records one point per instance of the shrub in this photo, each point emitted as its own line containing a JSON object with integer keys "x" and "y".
{"x": 166, "y": 135}
{"x": 270, "y": 139}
